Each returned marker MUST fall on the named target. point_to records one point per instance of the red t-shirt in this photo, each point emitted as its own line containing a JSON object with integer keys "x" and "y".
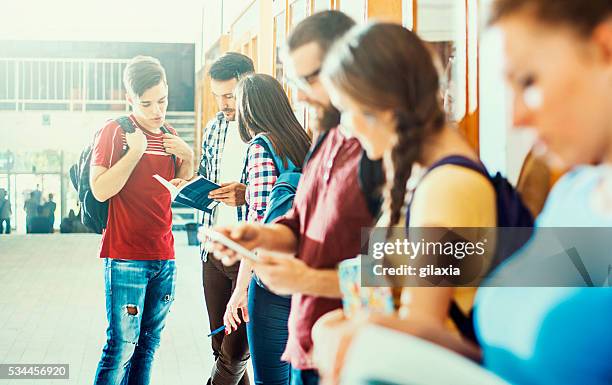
{"x": 139, "y": 217}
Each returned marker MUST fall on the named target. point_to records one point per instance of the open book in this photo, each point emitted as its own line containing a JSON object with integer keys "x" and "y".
{"x": 193, "y": 194}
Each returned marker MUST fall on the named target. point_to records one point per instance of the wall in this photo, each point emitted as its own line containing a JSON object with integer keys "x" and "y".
{"x": 502, "y": 148}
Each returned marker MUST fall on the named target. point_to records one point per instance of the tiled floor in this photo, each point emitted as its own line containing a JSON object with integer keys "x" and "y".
{"x": 52, "y": 310}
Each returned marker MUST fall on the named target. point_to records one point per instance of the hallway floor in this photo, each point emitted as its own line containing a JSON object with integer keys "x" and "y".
{"x": 52, "y": 310}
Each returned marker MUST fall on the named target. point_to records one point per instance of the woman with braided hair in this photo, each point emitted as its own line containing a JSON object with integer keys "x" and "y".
{"x": 383, "y": 80}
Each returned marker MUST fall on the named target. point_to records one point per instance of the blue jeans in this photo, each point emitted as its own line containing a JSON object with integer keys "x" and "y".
{"x": 267, "y": 334}
{"x": 138, "y": 298}
{"x": 304, "y": 377}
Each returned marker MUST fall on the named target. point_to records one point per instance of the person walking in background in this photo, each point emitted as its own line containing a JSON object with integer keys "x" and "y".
{"x": 37, "y": 195}
{"x": 31, "y": 208}
{"x": 5, "y": 213}
{"x": 49, "y": 211}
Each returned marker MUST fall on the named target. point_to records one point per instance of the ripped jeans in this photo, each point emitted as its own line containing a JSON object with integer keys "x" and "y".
{"x": 138, "y": 298}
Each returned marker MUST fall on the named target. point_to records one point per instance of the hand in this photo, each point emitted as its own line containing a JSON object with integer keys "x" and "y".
{"x": 282, "y": 275}
{"x": 238, "y": 301}
{"x": 178, "y": 182}
{"x": 178, "y": 147}
{"x": 332, "y": 335}
{"x": 136, "y": 141}
{"x": 247, "y": 234}
{"x": 232, "y": 194}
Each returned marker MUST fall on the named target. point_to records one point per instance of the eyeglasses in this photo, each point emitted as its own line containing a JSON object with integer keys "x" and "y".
{"x": 304, "y": 83}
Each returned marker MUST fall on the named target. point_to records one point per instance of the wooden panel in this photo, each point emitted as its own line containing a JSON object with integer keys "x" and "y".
{"x": 387, "y": 10}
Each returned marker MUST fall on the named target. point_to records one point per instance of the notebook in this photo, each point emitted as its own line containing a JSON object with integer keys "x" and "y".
{"x": 193, "y": 194}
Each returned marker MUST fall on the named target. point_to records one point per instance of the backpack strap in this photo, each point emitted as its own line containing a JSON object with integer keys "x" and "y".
{"x": 166, "y": 130}
{"x": 264, "y": 141}
{"x": 462, "y": 161}
{"x": 457, "y": 160}
{"x": 128, "y": 126}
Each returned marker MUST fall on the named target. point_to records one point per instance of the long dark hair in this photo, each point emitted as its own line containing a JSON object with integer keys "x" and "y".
{"x": 263, "y": 107}
{"x": 385, "y": 66}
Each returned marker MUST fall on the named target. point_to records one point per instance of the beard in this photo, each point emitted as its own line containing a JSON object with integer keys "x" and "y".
{"x": 230, "y": 114}
{"x": 327, "y": 117}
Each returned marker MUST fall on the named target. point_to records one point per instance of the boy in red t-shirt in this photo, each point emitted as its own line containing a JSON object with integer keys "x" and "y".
{"x": 137, "y": 243}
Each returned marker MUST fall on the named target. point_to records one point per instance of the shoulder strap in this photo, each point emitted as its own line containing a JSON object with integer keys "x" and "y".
{"x": 264, "y": 141}
{"x": 126, "y": 124}
{"x": 166, "y": 130}
{"x": 462, "y": 161}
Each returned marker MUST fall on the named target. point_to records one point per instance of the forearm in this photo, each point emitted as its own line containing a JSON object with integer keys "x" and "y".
{"x": 321, "y": 283}
{"x": 244, "y": 275}
{"x": 111, "y": 181}
{"x": 278, "y": 238}
{"x": 185, "y": 171}
{"x": 430, "y": 330}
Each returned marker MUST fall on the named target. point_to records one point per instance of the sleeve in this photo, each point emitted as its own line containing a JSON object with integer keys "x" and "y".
{"x": 204, "y": 161}
{"x": 292, "y": 220}
{"x": 107, "y": 146}
{"x": 261, "y": 176}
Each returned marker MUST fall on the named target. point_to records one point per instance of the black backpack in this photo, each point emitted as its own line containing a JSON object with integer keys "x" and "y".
{"x": 94, "y": 214}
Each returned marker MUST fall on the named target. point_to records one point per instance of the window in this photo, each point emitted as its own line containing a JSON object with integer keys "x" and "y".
{"x": 357, "y": 9}
{"x": 279, "y": 41}
{"x": 442, "y": 24}
{"x": 320, "y": 5}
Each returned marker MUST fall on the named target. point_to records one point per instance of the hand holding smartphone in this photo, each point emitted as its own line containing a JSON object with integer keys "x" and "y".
{"x": 242, "y": 251}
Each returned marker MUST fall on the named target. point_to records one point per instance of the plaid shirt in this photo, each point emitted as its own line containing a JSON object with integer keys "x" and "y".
{"x": 212, "y": 151}
{"x": 259, "y": 175}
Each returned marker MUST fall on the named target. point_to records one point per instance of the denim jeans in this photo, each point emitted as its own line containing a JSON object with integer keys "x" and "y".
{"x": 138, "y": 298}
{"x": 304, "y": 377}
{"x": 267, "y": 333}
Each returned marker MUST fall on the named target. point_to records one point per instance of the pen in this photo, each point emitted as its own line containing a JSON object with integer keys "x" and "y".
{"x": 216, "y": 331}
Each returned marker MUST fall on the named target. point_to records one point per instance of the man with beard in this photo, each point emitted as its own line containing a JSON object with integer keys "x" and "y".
{"x": 223, "y": 153}
{"x": 324, "y": 226}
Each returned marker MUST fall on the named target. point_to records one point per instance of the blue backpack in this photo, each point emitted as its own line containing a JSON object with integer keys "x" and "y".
{"x": 283, "y": 192}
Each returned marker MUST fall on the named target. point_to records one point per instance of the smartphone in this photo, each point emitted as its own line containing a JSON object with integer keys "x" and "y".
{"x": 227, "y": 242}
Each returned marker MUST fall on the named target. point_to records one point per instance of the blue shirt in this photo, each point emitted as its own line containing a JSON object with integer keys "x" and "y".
{"x": 552, "y": 335}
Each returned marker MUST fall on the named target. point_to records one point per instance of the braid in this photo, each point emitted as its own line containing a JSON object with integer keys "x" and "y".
{"x": 405, "y": 152}
{"x": 411, "y": 134}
